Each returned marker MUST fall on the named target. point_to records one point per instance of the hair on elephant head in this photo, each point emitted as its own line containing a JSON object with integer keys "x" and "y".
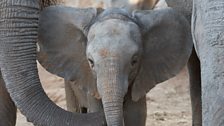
{"x": 110, "y": 50}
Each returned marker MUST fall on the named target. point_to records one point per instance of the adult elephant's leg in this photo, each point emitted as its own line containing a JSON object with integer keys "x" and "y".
{"x": 134, "y": 112}
{"x": 18, "y": 36}
{"x": 208, "y": 32}
{"x": 195, "y": 89}
{"x": 7, "y": 107}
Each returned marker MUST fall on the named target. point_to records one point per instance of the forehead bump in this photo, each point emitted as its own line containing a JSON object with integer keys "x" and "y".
{"x": 112, "y": 13}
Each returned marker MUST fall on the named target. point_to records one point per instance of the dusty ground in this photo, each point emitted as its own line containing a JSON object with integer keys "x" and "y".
{"x": 168, "y": 103}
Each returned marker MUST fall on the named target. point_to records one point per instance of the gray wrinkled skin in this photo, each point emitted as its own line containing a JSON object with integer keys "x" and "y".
{"x": 207, "y": 31}
{"x": 7, "y": 107}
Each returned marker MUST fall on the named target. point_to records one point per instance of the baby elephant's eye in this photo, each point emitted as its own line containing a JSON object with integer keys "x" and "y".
{"x": 91, "y": 63}
{"x": 134, "y": 61}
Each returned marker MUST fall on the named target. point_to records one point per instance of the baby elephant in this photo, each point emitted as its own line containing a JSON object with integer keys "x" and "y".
{"x": 113, "y": 57}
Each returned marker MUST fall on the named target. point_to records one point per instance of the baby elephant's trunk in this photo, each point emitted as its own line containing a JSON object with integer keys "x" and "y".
{"x": 111, "y": 88}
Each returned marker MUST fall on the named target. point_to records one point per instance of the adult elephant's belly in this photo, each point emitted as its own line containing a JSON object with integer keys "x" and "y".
{"x": 130, "y": 4}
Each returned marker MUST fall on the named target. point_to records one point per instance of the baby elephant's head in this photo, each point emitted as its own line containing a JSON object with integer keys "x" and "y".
{"x": 112, "y": 52}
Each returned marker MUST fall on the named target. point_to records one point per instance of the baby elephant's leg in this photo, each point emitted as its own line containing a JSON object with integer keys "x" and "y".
{"x": 135, "y": 112}
{"x": 94, "y": 105}
{"x": 79, "y": 100}
{"x": 72, "y": 102}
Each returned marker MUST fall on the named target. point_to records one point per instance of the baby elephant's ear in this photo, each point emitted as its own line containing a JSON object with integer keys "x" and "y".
{"x": 62, "y": 41}
{"x": 167, "y": 45}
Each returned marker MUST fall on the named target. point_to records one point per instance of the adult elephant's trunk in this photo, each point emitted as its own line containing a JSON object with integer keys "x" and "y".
{"x": 112, "y": 88}
{"x": 18, "y": 36}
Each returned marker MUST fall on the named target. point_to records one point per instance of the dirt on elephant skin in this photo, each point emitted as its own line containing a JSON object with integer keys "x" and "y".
{"x": 168, "y": 103}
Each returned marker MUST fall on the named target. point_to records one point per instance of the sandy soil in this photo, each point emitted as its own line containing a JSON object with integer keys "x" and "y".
{"x": 168, "y": 103}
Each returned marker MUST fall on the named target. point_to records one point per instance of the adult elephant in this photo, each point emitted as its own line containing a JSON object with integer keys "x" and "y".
{"x": 208, "y": 33}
